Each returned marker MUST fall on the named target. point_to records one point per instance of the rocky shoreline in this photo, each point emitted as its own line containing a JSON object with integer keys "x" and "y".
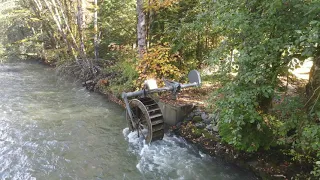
{"x": 265, "y": 164}
{"x": 200, "y": 129}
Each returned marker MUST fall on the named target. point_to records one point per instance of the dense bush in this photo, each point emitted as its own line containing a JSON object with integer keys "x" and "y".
{"x": 159, "y": 63}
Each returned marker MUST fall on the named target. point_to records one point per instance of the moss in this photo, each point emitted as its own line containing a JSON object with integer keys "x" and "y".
{"x": 196, "y": 119}
{"x": 197, "y": 132}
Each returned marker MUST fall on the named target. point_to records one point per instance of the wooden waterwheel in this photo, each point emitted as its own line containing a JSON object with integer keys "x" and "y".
{"x": 147, "y": 119}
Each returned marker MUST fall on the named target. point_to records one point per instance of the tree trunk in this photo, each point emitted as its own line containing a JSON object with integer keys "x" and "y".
{"x": 313, "y": 86}
{"x": 66, "y": 23}
{"x": 57, "y": 20}
{"x": 96, "y": 55}
{"x": 141, "y": 29}
{"x": 80, "y": 22}
{"x": 81, "y": 25}
{"x": 37, "y": 9}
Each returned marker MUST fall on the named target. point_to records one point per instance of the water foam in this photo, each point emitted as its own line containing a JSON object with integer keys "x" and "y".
{"x": 173, "y": 158}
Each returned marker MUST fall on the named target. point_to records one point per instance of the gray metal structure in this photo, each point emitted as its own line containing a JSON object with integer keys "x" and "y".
{"x": 143, "y": 112}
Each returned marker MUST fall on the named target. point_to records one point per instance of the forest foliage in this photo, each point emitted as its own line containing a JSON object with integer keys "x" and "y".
{"x": 250, "y": 44}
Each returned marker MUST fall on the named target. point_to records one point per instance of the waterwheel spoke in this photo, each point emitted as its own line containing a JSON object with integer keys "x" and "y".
{"x": 147, "y": 119}
{"x": 140, "y": 129}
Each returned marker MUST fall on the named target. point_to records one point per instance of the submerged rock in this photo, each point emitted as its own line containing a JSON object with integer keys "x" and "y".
{"x": 89, "y": 84}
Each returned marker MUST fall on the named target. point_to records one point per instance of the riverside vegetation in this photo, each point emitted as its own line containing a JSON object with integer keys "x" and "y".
{"x": 248, "y": 48}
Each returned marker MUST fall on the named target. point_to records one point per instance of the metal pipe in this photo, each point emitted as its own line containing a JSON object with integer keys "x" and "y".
{"x": 142, "y": 92}
{"x": 189, "y": 85}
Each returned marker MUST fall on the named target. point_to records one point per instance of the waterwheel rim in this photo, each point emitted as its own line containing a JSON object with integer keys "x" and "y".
{"x": 147, "y": 119}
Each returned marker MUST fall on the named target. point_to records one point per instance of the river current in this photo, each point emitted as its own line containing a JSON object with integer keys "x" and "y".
{"x": 52, "y": 128}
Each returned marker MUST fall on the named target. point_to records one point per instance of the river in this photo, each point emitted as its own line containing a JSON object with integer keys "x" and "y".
{"x": 52, "y": 128}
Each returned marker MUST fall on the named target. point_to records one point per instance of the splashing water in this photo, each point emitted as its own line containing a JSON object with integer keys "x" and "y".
{"x": 173, "y": 158}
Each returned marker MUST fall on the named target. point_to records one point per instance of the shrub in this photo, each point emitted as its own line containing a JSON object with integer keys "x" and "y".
{"x": 159, "y": 63}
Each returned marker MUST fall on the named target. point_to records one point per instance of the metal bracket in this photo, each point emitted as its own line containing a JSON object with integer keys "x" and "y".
{"x": 176, "y": 87}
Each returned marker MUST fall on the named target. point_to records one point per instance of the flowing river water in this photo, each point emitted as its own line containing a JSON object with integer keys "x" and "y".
{"x": 51, "y": 128}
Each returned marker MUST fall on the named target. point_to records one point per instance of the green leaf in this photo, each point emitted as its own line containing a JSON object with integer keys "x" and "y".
{"x": 314, "y": 22}
{"x": 254, "y": 81}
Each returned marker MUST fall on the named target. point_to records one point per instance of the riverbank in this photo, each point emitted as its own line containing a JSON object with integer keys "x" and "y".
{"x": 270, "y": 164}
{"x": 266, "y": 164}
